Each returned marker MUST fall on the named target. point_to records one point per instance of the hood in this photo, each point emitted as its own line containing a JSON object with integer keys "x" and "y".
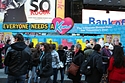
{"x": 19, "y": 46}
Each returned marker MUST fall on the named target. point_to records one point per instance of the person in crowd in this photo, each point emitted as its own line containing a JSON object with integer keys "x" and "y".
{"x": 7, "y": 45}
{"x": 120, "y": 44}
{"x": 31, "y": 44}
{"x": 77, "y": 59}
{"x": 18, "y": 59}
{"x": 101, "y": 42}
{"x": 1, "y": 37}
{"x": 1, "y": 50}
{"x": 65, "y": 48}
{"x": 116, "y": 69}
{"x": 29, "y": 72}
{"x": 62, "y": 57}
{"x": 55, "y": 62}
{"x": 88, "y": 50}
{"x": 45, "y": 64}
{"x": 8, "y": 42}
{"x": 111, "y": 47}
{"x": 93, "y": 42}
{"x": 87, "y": 41}
{"x": 35, "y": 57}
{"x": 106, "y": 54}
{"x": 69, "y": 56}
{"x": 97, "y": 70}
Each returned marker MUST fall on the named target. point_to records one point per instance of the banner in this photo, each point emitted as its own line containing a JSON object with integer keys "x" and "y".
{"x": 65, "y": 26}
{"x": 30, "y": 11}
{"x": 60, "y": 8}
{"x": 112, "y": 38}
{"x": 40, "y": 11}
{"x": 101, "y": 17}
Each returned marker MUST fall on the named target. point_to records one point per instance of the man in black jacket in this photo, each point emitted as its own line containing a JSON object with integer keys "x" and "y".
{"x": 18, "y": 59}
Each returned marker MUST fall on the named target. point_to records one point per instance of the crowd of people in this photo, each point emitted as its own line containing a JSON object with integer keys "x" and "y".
{"x": 45, "y": 60}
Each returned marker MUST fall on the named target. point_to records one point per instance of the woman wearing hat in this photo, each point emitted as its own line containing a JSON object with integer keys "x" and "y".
{"x": 106, "y": 54}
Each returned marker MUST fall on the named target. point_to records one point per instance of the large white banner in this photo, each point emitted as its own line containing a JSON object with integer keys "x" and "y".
{"x": 101, "y": 17}
{"x": 40, "y": 11}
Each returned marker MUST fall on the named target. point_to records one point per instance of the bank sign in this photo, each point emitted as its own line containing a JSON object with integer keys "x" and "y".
{"x": 101, "y": 17}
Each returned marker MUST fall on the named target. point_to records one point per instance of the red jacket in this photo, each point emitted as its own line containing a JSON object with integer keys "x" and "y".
{"x": 116, "y": 73}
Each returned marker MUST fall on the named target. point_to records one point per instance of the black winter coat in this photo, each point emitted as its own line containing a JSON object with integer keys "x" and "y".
{"x": 35, "y": 56}
{"x": 62, "y": 56}
{"x": 18, "y": 59}
{"x": 77, "y": 59}
{"x": 97, "y": 70}
{"x": 45, "y": 65}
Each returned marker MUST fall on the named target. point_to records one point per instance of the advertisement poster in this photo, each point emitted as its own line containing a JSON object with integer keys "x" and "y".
{"x": 4, "y": 36}
{"x": 60, "y": 8}
{"x": 30, "y": 11}
{"x": 112, "y": 38}
{"x": 102, "y": 17}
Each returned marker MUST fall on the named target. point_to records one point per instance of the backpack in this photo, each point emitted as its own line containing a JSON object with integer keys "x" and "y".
{"x": 87, "y": 66}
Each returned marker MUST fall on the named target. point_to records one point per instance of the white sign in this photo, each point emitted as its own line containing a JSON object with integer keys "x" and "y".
{"x": 101, "y": 17}
{"x": 40, "y": 11}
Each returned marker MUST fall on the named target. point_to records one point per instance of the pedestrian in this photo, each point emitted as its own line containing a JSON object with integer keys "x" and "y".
{"x": 116, "y": 69}
{"x": 97, "y": 69}
{"x": 55, "y": 62}
{"x": 88, "y": 50}
{"x": 62, "y": 57}
{"x": 1, "y": 50}
{"x": 31, "y": 44}
{"x": 65, "y": 48}
{"x": 45, "y": 65}
{"x": 106, "y": 54}
{"x": 35, "y": 57}
{"x": 8, "y": 43}
{"x": 77, "y": 59}
{"x": 69, "y": 56}
{"x": 18, "y": 59}
{"x": 87, "y": 41}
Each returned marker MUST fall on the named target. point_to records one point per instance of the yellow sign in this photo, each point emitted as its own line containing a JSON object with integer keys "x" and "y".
{"x": 60, "y": 8}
